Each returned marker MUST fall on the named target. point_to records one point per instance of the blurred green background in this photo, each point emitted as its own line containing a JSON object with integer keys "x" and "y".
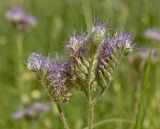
{"x": 56, "y": 21}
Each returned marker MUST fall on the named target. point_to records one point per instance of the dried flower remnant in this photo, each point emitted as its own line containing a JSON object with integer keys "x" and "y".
{"x": 32, "y": 111}
{"x": 153, "y": 33}
{"x": 19, "y": 18}
{"x": 140, "y": 58}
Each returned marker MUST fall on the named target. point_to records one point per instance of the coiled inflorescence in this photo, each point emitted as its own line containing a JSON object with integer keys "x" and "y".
{"x": 96, "y": 66}
{"x": 111, "y": 53}
{"x": 53, "y": 74}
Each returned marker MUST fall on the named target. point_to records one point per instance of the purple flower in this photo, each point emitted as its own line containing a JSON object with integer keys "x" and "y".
{"x": 123, "y": 39}
{"x": 54, "y": 74}
{"x": 145, "y": 53}
{"x": 58, "y": 75}
{"x": 37, "y": 62}
{"x": 153, "y": 33}
{"x": 98, "y": 34}
{"x": 99, "y": 29}
{"x": 19, "y": 18}
{"x": 111, "y": 52}
{"x": 112, "y": 46}
{"x": 106, "y": 50}
{"x": 141, "y": 57}
{"x": 32, "y": 111}
{"x": 77, "y": 44}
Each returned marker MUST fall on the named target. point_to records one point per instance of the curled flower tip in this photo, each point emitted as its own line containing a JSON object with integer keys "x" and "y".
{"x": 77, "y": 44}
{"x": 99, "y": 28}
{"x": 19, "y": 18}
{"x": 153, "y": 33}
{"x": 37, "y": 62}
{"x": 98, "y": 32}
{"x": 124, "y": 39}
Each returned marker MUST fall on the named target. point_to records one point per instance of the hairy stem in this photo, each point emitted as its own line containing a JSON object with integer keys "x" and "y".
{"x": 90, "y": 114}
{"x": 62, "y": 116}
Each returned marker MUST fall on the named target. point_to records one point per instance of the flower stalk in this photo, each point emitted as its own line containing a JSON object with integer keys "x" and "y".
{"x": 90, "y": 113}
{"x": 62, "y": 116}
{"x": 19, "y": 47}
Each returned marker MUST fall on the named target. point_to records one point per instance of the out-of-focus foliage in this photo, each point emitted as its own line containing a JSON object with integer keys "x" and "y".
{"x": 56, "y": 21}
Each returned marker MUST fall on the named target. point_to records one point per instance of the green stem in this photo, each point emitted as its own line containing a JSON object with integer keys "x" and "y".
{"x": 143, "y": 99}
{"x": 90, "y": 113}
{"x": 19, "y": 59}
{"x": 62, "y": 116}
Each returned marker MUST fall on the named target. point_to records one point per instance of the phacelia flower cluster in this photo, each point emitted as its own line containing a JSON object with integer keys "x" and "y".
{"x": 93, "y": 59}
{"x": 19, "y": 18}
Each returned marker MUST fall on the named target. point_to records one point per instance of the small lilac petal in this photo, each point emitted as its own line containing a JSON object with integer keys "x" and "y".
{"x": 142, "y": 56}
{"x": 36, "y": 62}
{"x": 16, "y": 14}
{"x": 77, "y": 44}
{"x": 20, "y": 19}
{"x": 99, "y": 28}
{"x": 32, "y": 111}
{"x": 123, "y": 39}
{"x": 153, "y": 33}
{"x": 31, "y": 20}
{"x": 144, "y": 53}
{"x": 18, "y": 114}
{"x": 106, "y": 50}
